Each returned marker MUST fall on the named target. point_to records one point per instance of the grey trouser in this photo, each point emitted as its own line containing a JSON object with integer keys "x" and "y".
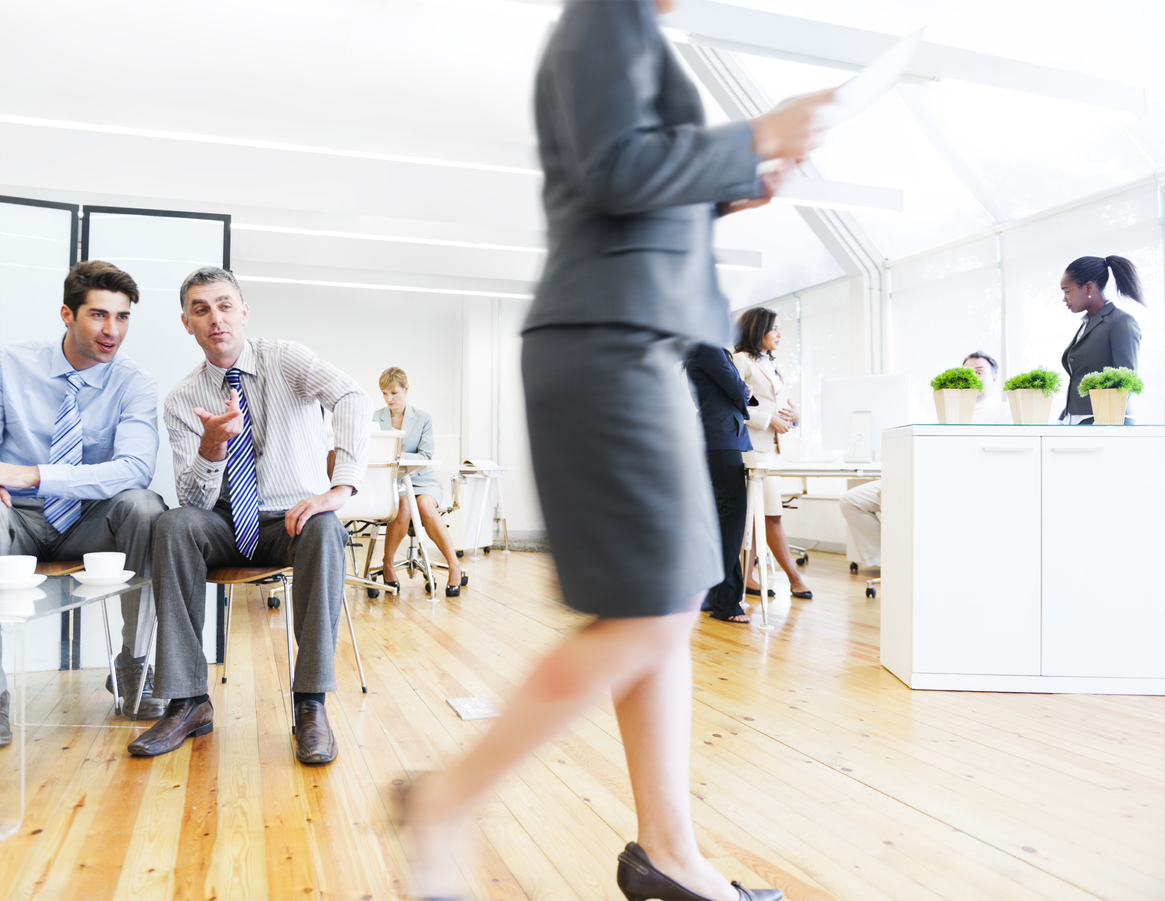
{"x": 190, "y": 540}
{"x": 124, "y": 522}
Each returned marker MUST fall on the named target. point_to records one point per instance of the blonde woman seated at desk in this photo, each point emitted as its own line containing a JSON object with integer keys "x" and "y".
{"x": 418, "y": 428}
{"x": 760, "y": 333}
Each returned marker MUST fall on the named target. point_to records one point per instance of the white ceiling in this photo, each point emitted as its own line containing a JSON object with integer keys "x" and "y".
{"x": 391, "y": 141}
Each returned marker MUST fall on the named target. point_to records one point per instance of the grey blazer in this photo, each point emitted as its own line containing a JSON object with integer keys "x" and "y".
{"x": 632, "y": 177}
{"x": 1110, "y": 338}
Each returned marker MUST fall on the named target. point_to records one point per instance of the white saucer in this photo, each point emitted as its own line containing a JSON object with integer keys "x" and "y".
{"x": 18, "y": 584}
{"x": 91, "y": 579}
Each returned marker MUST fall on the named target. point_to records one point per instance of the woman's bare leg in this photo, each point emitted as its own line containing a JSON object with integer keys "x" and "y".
{"x": 394, "y": 533}
{"x": 431, "y": 520}
{"x": 640, "y": 661}
{"x": 655, "y": 721}
{"x": 779, "y": 545}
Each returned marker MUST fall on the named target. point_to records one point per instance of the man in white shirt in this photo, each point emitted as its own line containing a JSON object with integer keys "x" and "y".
{"x": 254, "y": 489}
{"x": 862, "y": 506}
{"x": 990, "y": 408}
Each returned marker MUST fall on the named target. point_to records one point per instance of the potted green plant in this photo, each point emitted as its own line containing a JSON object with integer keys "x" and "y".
{"x": 1109, "y": 392}
{"x": 955, "y": 393}
{"x": 1030, "y": 395}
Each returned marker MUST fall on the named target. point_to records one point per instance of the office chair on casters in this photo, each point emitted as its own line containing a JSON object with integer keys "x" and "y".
{"x": 802, "y": 553}
{"x": 416, "y": 557}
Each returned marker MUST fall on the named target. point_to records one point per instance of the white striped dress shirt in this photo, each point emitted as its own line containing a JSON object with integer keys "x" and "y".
{"x": 285, "y": 384}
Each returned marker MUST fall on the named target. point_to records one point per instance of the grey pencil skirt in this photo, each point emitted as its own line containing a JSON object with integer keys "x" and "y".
{"x": 619, "y": 464}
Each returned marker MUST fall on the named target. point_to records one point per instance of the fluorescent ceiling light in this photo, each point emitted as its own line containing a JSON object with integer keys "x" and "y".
{"x": 411, "y": 289}
{"x": 260, "y": 145}
{"x": 838, "y": 195}
{"x": 740, "y": 260}
{"x": 395, "y": 239}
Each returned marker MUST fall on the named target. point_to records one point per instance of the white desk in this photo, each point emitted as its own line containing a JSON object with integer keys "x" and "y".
{"x": 483, "y": 480}
{"x": 1024, "y": 558}
{"x": 757, "y": 468}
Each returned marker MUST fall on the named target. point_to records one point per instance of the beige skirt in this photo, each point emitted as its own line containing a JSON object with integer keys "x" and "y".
{"x": 772, "y": 484}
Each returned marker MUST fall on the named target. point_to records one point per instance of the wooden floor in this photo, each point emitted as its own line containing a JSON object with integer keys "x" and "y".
{"x": 813, "y": 769}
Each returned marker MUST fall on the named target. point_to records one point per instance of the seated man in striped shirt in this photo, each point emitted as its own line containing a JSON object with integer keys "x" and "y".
{"x": 250, "y": 465}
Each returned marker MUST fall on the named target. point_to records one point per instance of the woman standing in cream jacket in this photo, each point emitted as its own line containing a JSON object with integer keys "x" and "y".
{"x": 774, "y": 415}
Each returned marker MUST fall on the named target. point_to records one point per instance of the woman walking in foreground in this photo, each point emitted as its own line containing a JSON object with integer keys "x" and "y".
{"x": 633, "y": 183}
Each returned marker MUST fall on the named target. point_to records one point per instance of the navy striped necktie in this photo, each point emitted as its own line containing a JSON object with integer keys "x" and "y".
{"x": 63, "y": 512}
{"x": 241, "y": 483}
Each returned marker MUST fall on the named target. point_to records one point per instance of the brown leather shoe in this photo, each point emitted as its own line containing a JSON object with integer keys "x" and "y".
{"x": 314, "y": 742}
{"x": 5, "y": 726}
{"x": 183, "y": 719}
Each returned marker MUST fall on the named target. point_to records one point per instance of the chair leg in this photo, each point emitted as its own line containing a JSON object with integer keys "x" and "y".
{"x": 137, "y": 703}
{"x": 371, "y": 548}
{"x": 355, "y": 647}
{"x": 287, "y": 621}
{"x": 226, "y": 639}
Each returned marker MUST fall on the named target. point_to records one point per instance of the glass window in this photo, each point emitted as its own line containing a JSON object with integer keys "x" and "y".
{"x": 1039, "y": 327}
{"x": 942, "y": 307}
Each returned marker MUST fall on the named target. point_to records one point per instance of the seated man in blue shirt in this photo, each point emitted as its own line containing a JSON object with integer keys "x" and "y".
{"x": 78, "y": 443}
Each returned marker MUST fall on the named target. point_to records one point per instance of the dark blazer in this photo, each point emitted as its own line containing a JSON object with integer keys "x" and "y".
{"x": 1110, "y": 338}
{"x": 722, "y": 397}
{"x": 632, "y": 177}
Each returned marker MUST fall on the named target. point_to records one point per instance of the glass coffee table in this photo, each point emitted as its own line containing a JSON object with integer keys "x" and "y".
{"x": 18, "y": 608}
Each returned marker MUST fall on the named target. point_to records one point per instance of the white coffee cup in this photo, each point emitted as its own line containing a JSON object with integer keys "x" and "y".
{"x": 17, "y": 567}
{"x": 104, "y": 564}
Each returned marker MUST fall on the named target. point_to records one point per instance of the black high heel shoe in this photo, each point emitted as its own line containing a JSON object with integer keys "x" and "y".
{"x": 640, "y": 881}
{"x": 452, "y": 591}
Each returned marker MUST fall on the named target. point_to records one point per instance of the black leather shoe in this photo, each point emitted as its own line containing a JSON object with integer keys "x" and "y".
{"x": 755, "y": 592}
{"x": 5, "y": 725}
{"x": 314, "y": 741}
{"x": 803, "y": 595}
{"x": 128, "y": 677}
{"x": 184, "y": 718}
{"x": 640, "y": 881}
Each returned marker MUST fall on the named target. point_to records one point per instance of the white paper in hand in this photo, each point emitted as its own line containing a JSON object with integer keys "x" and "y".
{"x": 869, "y": 85}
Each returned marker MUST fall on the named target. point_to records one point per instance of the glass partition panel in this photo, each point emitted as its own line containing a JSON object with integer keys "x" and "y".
{"x": 1039, "y": 327}
{"x": 159, "y": 250}
{"x": 942, "y": 307}
{"x": 37, "y": 247}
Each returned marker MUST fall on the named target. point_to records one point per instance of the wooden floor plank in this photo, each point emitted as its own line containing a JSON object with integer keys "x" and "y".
{"x": 813, "y": 768}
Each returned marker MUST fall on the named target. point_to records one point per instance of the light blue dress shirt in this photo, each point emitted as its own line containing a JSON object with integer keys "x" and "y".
{"x": 119, "y": 421}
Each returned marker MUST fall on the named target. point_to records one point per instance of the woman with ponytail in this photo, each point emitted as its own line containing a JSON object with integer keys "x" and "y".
{"x": 1108, "y": 336}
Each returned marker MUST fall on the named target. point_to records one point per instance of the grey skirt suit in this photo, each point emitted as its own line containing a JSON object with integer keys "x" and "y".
{"x": 632, "y": 179}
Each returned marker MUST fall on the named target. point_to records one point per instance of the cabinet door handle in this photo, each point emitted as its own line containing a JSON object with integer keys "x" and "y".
{"x": 1077, "y": 450}
{"x": 1008, "y": 450}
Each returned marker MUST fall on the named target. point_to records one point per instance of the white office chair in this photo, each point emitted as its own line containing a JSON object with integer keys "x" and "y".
{"x": 416, "y": 558}
{"x": 375, "y": 505}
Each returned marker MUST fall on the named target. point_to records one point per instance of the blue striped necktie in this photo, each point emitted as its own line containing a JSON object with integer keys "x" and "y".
{"x": 244, "y": 493}
{"x": 63, "y": 512}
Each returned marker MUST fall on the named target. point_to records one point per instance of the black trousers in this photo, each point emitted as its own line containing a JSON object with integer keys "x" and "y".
{"x": 731, "y": 489}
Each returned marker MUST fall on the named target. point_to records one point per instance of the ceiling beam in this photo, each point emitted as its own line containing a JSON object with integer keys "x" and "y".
{"x": 756, "y": 32}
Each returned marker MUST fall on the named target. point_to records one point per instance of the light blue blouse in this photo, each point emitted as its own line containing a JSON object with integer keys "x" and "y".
{"x": 418, "y": 428}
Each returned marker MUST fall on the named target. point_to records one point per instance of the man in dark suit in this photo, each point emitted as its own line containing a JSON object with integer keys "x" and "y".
{"x": 723, "y": 400}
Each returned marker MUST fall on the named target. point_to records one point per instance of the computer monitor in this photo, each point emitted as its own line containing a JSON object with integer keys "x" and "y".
{"x": 855, "y": 410}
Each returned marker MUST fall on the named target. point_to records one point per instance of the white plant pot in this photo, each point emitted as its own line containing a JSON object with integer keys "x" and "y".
{"x": 1029, "y": 406}
{"x": 955, "y": 406}
{"x": 1108, "y": 405}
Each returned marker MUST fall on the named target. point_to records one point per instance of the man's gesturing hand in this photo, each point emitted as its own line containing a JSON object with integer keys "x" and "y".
{"x": 218, "y": 430}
